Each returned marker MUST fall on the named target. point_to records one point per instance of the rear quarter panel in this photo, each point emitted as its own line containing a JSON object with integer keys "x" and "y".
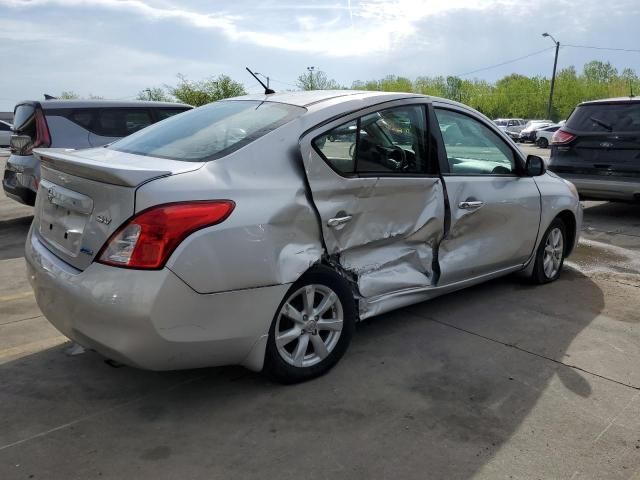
{"x": 272, "y": 237}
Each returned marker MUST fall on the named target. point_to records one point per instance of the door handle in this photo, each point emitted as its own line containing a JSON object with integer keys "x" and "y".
{"x": 337, "y": 221}
{"x": 468, "y": 205}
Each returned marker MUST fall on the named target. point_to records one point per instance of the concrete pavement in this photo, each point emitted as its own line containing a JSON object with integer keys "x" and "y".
{"x": 504, "y": 380}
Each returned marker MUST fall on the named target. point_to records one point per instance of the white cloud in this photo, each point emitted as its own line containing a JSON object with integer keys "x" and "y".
{"x": 353, "y": 29}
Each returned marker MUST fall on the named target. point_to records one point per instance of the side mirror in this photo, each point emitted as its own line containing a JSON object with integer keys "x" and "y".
{"x": 535, "y": 166}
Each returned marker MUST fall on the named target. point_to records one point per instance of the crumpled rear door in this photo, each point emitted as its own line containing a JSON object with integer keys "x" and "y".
{"x": 383, "y": 230}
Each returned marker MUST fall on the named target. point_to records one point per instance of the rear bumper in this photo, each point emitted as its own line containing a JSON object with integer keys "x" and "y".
{"x": 151, "y": 319}
{"x": 21, "y": 177}
{"x": 599, "y": 187}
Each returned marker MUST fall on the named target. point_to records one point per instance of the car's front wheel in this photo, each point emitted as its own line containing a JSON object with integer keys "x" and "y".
{"x": 312, "y": 327}
{"x": 550, "y": 255}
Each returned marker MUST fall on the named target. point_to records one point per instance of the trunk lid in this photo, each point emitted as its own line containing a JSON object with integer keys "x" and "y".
{"x": 84, "y": 196}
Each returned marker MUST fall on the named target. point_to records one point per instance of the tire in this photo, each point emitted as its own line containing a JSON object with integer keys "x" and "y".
{"x": 542, "y": 142}
{"x": 304, "y": 343}
{"x": 550, "y": 250}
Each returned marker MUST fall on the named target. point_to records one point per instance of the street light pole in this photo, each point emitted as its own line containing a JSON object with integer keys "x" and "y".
{"x": 311, "y": 69}
{"x": 553, "y": 76}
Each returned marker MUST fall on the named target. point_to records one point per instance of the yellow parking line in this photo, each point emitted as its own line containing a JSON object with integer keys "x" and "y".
{"x": 32, "y": 347}
{"x": 17, "y": 296}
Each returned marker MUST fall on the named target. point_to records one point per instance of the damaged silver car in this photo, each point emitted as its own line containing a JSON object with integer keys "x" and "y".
{"x": 258, "y": 230}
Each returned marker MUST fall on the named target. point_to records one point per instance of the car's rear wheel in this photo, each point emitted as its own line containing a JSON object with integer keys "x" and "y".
{"x": 312, "y": 327}
{"x": 550, "y": 255}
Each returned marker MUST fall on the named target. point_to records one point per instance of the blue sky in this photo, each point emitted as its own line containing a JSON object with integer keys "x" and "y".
{"x": 115, "y": 48}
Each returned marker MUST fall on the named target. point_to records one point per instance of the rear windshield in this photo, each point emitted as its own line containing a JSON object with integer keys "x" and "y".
{"x": 209, "y": 132}
{"x": 23, "y": 116}
{"x": 621, "y": 117}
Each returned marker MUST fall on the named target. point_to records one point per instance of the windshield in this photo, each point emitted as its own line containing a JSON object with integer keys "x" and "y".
{"x": 622, "y": 117}
{"x": 208, "y": 132}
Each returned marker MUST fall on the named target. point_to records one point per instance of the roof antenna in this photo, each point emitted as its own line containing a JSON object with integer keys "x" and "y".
{"x": 267, "y": 90}
{"x": 49, "y": 97}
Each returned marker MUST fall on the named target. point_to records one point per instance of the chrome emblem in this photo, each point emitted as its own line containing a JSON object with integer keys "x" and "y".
{"x": 51, "y": 194}
{"x": 606, "y": 144}
{"x": 103, "y": 219}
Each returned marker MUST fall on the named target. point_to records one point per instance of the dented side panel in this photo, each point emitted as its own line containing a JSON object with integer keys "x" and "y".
{"x": 390, "y": 242}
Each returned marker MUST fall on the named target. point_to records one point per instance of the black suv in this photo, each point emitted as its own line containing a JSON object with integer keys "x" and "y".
{"x": 599, "y": 149}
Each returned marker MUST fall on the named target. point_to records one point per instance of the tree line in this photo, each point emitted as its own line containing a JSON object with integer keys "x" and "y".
{"x": 514, "y": 95}
{"x": 520, "y": 96}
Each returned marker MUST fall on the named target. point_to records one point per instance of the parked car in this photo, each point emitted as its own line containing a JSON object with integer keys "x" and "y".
{"x": 71, "y": 124}
{"x": 598, "y": 149}
{"x": 510, "y": 124}
{"x": 529, "y": 131}
{"x": 5, "y": 133}
{"x": 543, "y": 135}
{"x": 182, "y": 246}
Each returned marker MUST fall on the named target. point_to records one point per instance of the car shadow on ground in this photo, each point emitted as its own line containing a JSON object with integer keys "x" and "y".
{"x": 13, "y": 234}
{"x": 429, "y": 391}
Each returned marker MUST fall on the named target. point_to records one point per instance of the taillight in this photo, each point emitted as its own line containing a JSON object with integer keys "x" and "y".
{"x": 23, "y": 144}
{"x": 561, "y": 137}
{"x": 43, "y": 138}
{"x": 148, "y": 239}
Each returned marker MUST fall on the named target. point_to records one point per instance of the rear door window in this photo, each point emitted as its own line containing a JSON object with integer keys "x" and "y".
{"x": 120, "y": 122}
{"x": 606, "y": 118}
{"x": 389, "y": 141}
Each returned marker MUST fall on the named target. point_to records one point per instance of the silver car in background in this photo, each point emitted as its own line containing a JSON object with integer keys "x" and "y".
{"x": 5, "y": 133}
{"x": 237, "y": 233}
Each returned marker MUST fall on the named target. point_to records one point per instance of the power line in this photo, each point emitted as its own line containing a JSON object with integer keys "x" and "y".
{"x": 505, "y": 63}
{"x": 602, "y": 48}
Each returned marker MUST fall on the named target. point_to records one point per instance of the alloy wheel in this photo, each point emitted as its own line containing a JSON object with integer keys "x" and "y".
{"x": 553, "y": 253}
{"x": 309, "y": 325}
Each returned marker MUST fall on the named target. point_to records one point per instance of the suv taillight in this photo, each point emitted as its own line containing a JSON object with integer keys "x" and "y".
{"x": 43, "y": 138}
{"x": 147, "y": 240}
{"x": 562, "y": 137}
{"x": 23, "y": 143}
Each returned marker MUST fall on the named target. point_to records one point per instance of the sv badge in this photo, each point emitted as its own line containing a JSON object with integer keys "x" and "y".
{"x": 103, "y": 219}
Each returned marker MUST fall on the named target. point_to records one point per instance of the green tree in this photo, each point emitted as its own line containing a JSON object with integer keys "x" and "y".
{"x": 154, "y": 94}
{"x": 316, "y": 80}
{"x": 205, "y": 91}
{"x": 68, "y": 95}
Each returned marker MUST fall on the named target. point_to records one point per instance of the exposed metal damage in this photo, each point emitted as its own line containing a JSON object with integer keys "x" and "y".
{"x": 392, "y": 236}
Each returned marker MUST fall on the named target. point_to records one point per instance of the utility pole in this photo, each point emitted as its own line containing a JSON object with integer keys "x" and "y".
{"x": 311, "y": 69}
{"x": 148, "y": 90}
{"x": 553, "y": 76}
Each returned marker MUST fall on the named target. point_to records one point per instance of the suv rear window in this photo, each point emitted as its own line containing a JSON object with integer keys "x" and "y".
{"x": 621, "y": 117}
{"x": 209, "y": 132}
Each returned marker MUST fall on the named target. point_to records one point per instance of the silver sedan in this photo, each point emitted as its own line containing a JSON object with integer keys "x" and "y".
{"x": 258, "y": 230}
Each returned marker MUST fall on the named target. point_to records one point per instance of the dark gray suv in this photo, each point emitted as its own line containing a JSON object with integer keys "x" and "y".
{"x": 72, "y": 124}
{"x": 598, "y": 149}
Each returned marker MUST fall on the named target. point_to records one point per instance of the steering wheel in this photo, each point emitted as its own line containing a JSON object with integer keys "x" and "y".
{"x": 404, "y": 163}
